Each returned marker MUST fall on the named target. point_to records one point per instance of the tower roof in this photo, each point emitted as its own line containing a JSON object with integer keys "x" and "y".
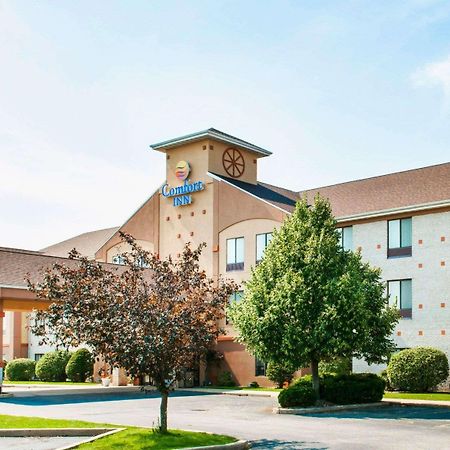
{"x": 210, "y": 133}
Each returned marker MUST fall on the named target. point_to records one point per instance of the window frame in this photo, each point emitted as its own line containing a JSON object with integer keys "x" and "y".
{"x": 398, "y": 252}
{"x": 260, "y": 367}
{"x": 341, "y": 230}
{"x": 118, "y": 259}
{"x": 266, "y": 244}
{"x": 235, "y": 265}
{"x": 405, "y": 313}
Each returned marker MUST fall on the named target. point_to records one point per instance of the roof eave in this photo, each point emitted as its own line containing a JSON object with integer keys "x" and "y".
{"x": 213, "y": 134}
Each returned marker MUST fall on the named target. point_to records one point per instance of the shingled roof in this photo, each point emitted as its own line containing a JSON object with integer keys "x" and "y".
{"x": 415, "y": 187}
{"x": 17, "y": 264}
{"x": 87, "y": 243}
{"x": 387, "y": 192}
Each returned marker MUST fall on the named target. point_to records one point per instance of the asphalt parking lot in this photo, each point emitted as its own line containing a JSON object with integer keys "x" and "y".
{"x": 252, "y": 418}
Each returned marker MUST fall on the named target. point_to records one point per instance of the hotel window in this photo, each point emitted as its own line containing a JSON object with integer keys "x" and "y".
{"x": 260, "y": 368}
{"x": 235, "y": 297}
{"x": 400, "y": 295}
{"x": 235, "y": 254}
{"x": 262, "y": 241}
{"x": 346, "y": 238}
{"x": 118, "y": 259}
{"x": 400, "y": 237}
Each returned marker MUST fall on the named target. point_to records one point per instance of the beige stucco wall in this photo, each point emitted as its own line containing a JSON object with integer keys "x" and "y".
{"x": 191, "y": 223}
{"x": 248, "y": 229}
{"x": 143, "y": 225}
{"x": 215, "y": 164}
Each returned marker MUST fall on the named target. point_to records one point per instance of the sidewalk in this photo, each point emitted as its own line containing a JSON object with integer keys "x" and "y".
{"x": 237, "y": 392}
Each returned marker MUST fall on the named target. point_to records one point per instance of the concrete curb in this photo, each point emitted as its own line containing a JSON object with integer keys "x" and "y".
{"x": 94, "y": 438}
{"x": 239, "y": 445}
{"x": 326, "y": 409}
{"x": 6, "y": 395}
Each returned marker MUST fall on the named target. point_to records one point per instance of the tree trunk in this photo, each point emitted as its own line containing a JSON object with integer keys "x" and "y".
{"x": 315, "y": 376}
{"x": 163, "y": 412}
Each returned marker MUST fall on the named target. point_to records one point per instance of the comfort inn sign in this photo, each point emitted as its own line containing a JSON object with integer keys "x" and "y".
{"x": 182, "y": 194}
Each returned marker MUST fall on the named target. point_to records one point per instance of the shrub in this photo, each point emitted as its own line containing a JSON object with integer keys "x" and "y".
{"x": 80, "y": 365}
{"x": 300, "y": 394}
{"x": 417, "y": 369}
{"x": 226, "y": 379}
{"x": 354, "y": 388}
{"x": 21, "y": 369}
{"x": 52, "y": 366}
{"x": 336, "y": 366}
{"x": 280, "y": 373}
{"x": 254, "y": 384}
{"x": 385, "y": 377}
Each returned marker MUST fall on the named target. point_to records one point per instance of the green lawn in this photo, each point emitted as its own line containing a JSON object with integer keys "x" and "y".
{"x": 51, "y": 383}
{"x": 131, "y": 438}
{"x": 412, "y": 396}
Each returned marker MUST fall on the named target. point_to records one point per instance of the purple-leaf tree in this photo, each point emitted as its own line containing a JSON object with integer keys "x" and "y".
{"x": 150, "y": 316}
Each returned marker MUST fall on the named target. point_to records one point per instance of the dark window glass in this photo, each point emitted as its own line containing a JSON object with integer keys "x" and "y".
{"x": 262, "y": 241}
{"x": 400, "y": 295}
{"x": 235, "y": 254}
{"x": 400, "y": 237}
{"x": 260, "y": 368}
{"x": 346, "y": 238}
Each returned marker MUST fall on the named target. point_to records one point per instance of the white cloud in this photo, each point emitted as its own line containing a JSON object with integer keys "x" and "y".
{"x": 435, "y": 74}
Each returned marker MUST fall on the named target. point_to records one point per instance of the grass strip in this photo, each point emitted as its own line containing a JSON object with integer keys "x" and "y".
{"x": 133, "y": 438}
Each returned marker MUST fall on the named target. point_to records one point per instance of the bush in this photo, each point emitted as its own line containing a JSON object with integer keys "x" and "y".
{"x": 253, "y": 384}
{"x": 300, "y": 394}
{"x": 354, "y": 388}
{"x": 336, "y": 366}
{"x": 385, "y": 377}
{"x": 226, "y": 379}
{"x": 417, "y": 369}
{"x": 80, "y": 365}
{"x": 21, "y": 369}
{"x": 280, "y": 373}
{"x": 52, "y": 366}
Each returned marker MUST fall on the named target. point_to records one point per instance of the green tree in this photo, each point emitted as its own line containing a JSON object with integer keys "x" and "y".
{"x": 150, "y": 316}
{"x": 309, "y": 300}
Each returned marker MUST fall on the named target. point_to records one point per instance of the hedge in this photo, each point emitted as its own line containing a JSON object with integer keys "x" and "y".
{"x": 21, "y": 369}
{"x": 52, "y": 366}
{"x": 339, "y": 389}
{"x": 418, "y": 369}
{"x": 80, "y": 365}
{"x": 301, "y": 394}
{"x": 353, "y": 388}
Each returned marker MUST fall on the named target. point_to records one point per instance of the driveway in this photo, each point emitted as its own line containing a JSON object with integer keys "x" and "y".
{"x": 251, "y": 418}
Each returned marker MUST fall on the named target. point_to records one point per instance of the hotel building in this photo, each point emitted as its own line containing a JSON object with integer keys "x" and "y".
{"x": 399, "y": 222}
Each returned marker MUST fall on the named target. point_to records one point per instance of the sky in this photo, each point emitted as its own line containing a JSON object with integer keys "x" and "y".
{"x": 337, "y": 90}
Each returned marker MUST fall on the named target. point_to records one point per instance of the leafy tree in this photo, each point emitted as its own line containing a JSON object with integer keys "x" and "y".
{"x": 309, "y": 300}
{"x": 280, "y": 373}
{"x": 151, "y": 316}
